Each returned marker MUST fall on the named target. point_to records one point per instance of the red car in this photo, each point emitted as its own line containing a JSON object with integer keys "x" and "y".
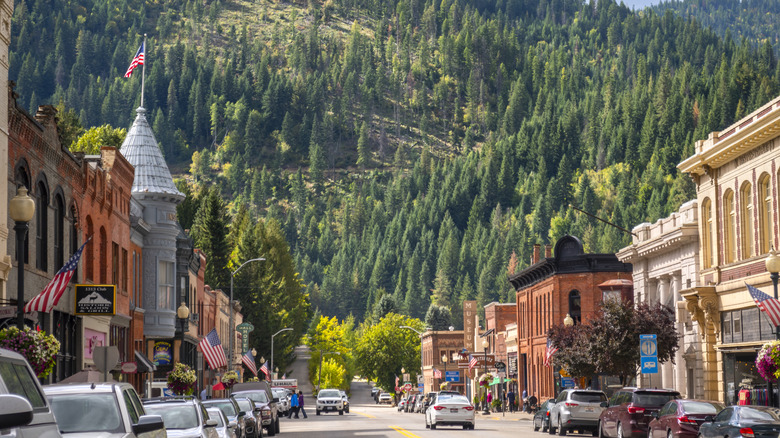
{"x": 682, "y": 418}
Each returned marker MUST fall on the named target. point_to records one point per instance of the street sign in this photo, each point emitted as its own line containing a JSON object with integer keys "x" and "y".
{"x": 421, "y": 387}
{"x": 106, "y": 359}
{"x": 405, "y": 377}
{"x": 648, "y": 351}
{"x": 567, "y": 382}
{"x": 564, "y": 373}
{"x": 408, "y": 387}
{"x": 452, "y": 376}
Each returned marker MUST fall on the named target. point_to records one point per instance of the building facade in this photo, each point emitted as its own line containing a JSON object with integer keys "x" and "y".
{"x": 665, "y": 258}
{"x": 736, "y": 176}
{"x": 6, "y": 12}
{"x": 436, "y": 346}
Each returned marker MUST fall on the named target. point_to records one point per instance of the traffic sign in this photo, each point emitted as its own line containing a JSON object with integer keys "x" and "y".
{"x": 452, "y": 376}
{"x": 567, "y": 382}
{"x": 648, "y": 351}
{"x": 408, "y": 387}
{"x": 649, "y": 365}
{"x": 564, "y": 373}
{"x": 420, "y": 387}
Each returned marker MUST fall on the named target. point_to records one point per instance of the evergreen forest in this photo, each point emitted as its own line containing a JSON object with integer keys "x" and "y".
{"x": 410, "y": 152}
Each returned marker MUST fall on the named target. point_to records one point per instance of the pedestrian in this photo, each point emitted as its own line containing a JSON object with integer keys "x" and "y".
{"x": 204, "y": 394}
{"x": 525, "y": 399}
{"x": 293, "y": 406}
{"x": 490, "y": 399}
{"x": 532, "y": 400}
{"x": 511, "y": 398}
{"x": 300, "y": 404}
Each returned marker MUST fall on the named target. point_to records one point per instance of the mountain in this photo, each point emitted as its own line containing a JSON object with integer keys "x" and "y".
{"x": 414, "y": 149}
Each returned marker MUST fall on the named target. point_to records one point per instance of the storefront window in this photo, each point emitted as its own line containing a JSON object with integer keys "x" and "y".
{"x": 740, "y": 374}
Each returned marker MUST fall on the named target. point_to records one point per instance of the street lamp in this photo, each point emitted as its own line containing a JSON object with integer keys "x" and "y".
{"x": 183, "y": 312}
{"x": 419, "y": 333}
{"x": 485, "y": 346}
{"x": 319, "y": 373}
{"x": 232, "y": 328}
{"x": 21, "y": 209}
{"x": 272, "y": 345}
{"x": 568, "y": 321}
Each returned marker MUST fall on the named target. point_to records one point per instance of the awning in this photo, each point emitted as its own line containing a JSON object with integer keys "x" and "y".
{"x": 144, "y": 364}
{"x": 496, "y": 381}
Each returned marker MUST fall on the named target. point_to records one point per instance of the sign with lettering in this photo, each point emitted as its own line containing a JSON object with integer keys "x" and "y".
{"x": 162, "y": 353}
{"x": 95, "y": 299}
{"x": 469, "y": 323}
{"x": 245, "y": 329}
{"x": 491, "y": 361}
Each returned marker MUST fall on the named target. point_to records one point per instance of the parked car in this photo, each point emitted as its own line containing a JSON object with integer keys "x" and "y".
{"x": 345, "y": 399}
{"x": 284, "y": 400}
{"x": 246, "y": 425}
{"x": 374, "y": 392}
{"x": 542, "y": 416}
{"x": 450, "y": 410}
{"x": 744, "y": 421}
{"x": 259, "y": 413}
{"x": 105, "y": 409}
{"x": 385, "y": 398}
{"x": 183, "y": 417}
{"x": 24, "y": 410}
{"x": 576, "y": 409}
{"x": 419, "y": 404}
{"x": 682, "y": 418}
{"x": 224, "y": 428}
{"x": 329, "y": 400}
{"x": 402, "y": 403}
{"x": 261, "y": 394}
{"x": 629, "y": 411}
{"x": 410, "y": 404}
{"x": 429, "y": 397}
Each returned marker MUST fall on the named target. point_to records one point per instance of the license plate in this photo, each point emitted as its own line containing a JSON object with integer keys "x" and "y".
{"x": 588, "y": 409}
{"x": 454, "y": 411}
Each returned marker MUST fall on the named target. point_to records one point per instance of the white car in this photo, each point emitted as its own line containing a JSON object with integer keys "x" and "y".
{"x": 385, "y": 398}
{"x": 224, "y": 427}
{"x": 284, "y": 400}
{"x": 329, "y": 400}
{"x": 345, "y": 398}
{"x": 450, "y": 409}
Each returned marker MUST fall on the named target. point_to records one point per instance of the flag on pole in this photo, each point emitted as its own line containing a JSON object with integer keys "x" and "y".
{"x": 436, "y": 374}
{"x": 46, "y": 300}
{"x": 767, "y": 304}
{"x": 264, "y": 369}
{"x": 212, "y": 350}
{"x": 472, "y": 362}
{"x": 249, "y": 361}
{"x": 551, "y": 349}
{"x": 138, "y": 59}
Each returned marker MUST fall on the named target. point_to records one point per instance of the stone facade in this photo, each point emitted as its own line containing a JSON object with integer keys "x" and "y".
{"x": 736, "y": 176}
{"x": 665, "y": 257}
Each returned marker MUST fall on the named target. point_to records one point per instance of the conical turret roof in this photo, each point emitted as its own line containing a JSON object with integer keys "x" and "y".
{"x": 152, "y": 175}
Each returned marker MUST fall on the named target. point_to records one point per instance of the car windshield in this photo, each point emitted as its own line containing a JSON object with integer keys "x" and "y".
{"x": 766, "y": 414}
{"x": 258, "y": 396}
{"x": 328, "y": 393}
{"x": 225, "y": 406}
{"x": 588, "y": 397}
{"x": 175, "y": 416}
{"x": 651, "y": 399}
{"x": 78, "y": 413}
{"x": 244, "y": 404}
{"x": 214, "y": 415}
{"x": 453, "y": 399}
{"x": 280, "y": 393}
{"x": 691, "y": 407}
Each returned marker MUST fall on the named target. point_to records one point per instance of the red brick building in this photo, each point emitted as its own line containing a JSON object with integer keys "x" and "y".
{"x": 548, "y": 290}
{"x": 435, "y": 346}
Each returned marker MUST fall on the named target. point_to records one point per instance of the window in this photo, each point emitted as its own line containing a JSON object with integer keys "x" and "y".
{"x": 19, "y": 381}
{"x": 746, "y": 220}
{"x": 165, "y": 285}
{"x": 726, "y": 325}
{"x": 59, "y": 231}
{"x": 737, "y": 318}
{"x": 124, "y": 270}
{"x": 764, "y": 214}
{"x": 115, "y": 264}
{"x": 42, "y": 227}
{"x": 89, "y": 251}
{"x": 130, "y": 407}
{"x": 74, "y": 239}
{"x": 730, "y": 222}
{"x": 575, "y": 311}
{"x": 103, "y": 256}
{"x": 707, "y": 237}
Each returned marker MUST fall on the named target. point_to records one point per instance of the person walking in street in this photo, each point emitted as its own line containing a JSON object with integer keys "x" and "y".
{"x": 511, "y": 398}
{"x": 300, "y": 405}
{"x": 293, "y": 406}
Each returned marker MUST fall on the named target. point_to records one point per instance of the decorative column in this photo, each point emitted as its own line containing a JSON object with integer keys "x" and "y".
{"x": 679, "y": 313}
{"x": 664, "y": 295}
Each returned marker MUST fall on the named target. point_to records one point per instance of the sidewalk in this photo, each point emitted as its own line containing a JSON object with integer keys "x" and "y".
{"x": 505, "y": 416}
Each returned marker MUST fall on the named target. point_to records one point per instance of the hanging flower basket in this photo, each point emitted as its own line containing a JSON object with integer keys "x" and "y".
{"x": 37, "y": 347}
{"x": 485, "y": 379}
{"x": 182, "y": 379}
{"x": 767, "y": 361}
{"x": 444, "y": 386}
{"x": 229, "y": 379}
{"x": 252, "y": 379}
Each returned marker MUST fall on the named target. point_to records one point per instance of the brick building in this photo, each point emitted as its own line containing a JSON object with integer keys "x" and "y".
{"x": 548, "y": 290}
{"x": 436, "y": 345}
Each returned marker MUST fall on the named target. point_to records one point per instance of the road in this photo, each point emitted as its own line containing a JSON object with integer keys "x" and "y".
{"x": 367, "y": 419}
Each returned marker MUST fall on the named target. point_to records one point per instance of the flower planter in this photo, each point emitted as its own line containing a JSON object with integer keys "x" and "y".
{"x": 182, "y": 379}
{"x": 767, "y": 361}
{"x": 37, "y": 347}
{"x": 229, "y": 379}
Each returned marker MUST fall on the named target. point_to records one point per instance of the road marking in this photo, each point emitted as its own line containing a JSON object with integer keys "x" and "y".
{"x": 404, "y": 432}
{"x": 365, "y": 415}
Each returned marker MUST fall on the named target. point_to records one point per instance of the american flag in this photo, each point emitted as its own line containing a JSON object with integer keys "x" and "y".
{"x": 212, "y": 350}
{"x": 767, "y": 304}
{"x": 249, "y": 361}
{"x": 46, "y": 300}
{"x": 472, "y": 362}
{"x": 264, "y": 369}
{"x": 137, "y": 60}
{"x": 436, "y": 374}
{"x": 551, "y": 349}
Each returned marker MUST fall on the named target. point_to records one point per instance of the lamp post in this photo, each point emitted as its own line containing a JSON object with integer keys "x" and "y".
{"x": 272, "y": 344}
{"x": 319, "y": 373}
{"x": 419, "y": 333}
{"x": 183, "y": 312}
{"x": 444, "y": 361}
{"x": 773, "y": 266}
{"x": 485, "y": 346}
{"x": 568, "y": 321}
{"x": 21, "y": 209}
{"x": 232, "y": 327}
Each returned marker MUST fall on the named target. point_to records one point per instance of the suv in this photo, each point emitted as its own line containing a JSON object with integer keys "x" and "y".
{"x": 102, "y": 407}
{"x": 260, "y": 393}
{"x": 630, "y": 410}
{"x": 24, "y": 411}
{"x": 284, "y": 400}
{"x": 183, "y": 416}
{"x": 330, "y": 400}
{"x": 246, "y": 426}
{"x": 576, "y": 409}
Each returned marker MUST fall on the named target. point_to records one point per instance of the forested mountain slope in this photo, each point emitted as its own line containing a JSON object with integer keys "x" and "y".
{"x": 409, "y": 149}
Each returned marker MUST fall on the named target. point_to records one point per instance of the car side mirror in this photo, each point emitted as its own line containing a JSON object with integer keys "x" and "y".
{"x": 258, "y": 409}
{"x": 15, "y": 411}
{"x": 211, "y": 422}
{"x": 275, "y": 400}
{"x": 232, "y": 424}
{"x": 148, "y": 423}
{"x": 604, "y": 404}
{"x": 709, "y": 419}
{"x": 241, "y": 413}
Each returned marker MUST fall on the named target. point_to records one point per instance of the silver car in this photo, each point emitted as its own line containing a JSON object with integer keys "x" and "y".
{"x": 24, "y": 410}
{"x": 102, "y": 410}
{"x": 576, "y": 409}
{"x": 284, "y": 400}
{"x": 224, "y": 428}
{"x": 184, "y": 417}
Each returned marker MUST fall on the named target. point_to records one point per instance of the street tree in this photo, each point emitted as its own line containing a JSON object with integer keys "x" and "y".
{"x": 385, "y": 348}
{"x": 438, "y": 317}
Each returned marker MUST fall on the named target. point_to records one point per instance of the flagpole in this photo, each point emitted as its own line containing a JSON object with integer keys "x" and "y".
{"x": 143, "y": 74}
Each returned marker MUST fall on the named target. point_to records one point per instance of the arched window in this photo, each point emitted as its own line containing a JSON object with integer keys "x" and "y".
{"x": 89, "y": 252}
{"x": 42, "y": 227}
{"x": 707, "y": 237}
{"x": 103, "y": 256}
{"x": 764, "y": 214}
{"x": 730, "y": 224}
{"x": 746, "y": 220}
{"x": 59, "y": 231}
{"x": 575, "y": 309}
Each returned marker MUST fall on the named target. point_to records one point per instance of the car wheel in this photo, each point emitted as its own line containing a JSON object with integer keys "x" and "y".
{"x": 276, "y": 428}
{"x": 669, "y": 434}
{"x": 550, "y": 428}
{"x": 619, "y": 430}
{"x": 433, "y": 426}
{"x": 601, "y": 431}
{"x": 271, "y": 429}
{"x": 318, "y": 412}
{"x": 561, "y": 429}
{"x": 341, "y": 412}
{"x": 594, "y": 432}
{"x": 536, "y": 428}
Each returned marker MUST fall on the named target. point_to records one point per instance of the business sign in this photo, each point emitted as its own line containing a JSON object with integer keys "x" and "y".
{"x": 491, "y": 361}
{"x": 95, "y": 299}
{"x": 648, "y": 351}
{"x": 469, "y": 323}
{"x": 129, "y": 367}
{"x": 245, "y": 329}
{"x": 567, "y": 382}
{"x": 452, "y": 376}
{"x": 162, "y": 353}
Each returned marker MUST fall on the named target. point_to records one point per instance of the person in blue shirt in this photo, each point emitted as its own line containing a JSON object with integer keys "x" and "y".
{"x": 293, "y": 406}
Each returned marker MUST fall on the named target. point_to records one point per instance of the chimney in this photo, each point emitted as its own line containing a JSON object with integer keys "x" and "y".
{"x": 548, "y": 251}
{"x": 537, "y": 250}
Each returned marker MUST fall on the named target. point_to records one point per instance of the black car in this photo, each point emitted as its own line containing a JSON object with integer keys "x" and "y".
{"x": 246, "y": 423}
{"x": 542, "y": 416}
{"x": 744, "y": 421}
